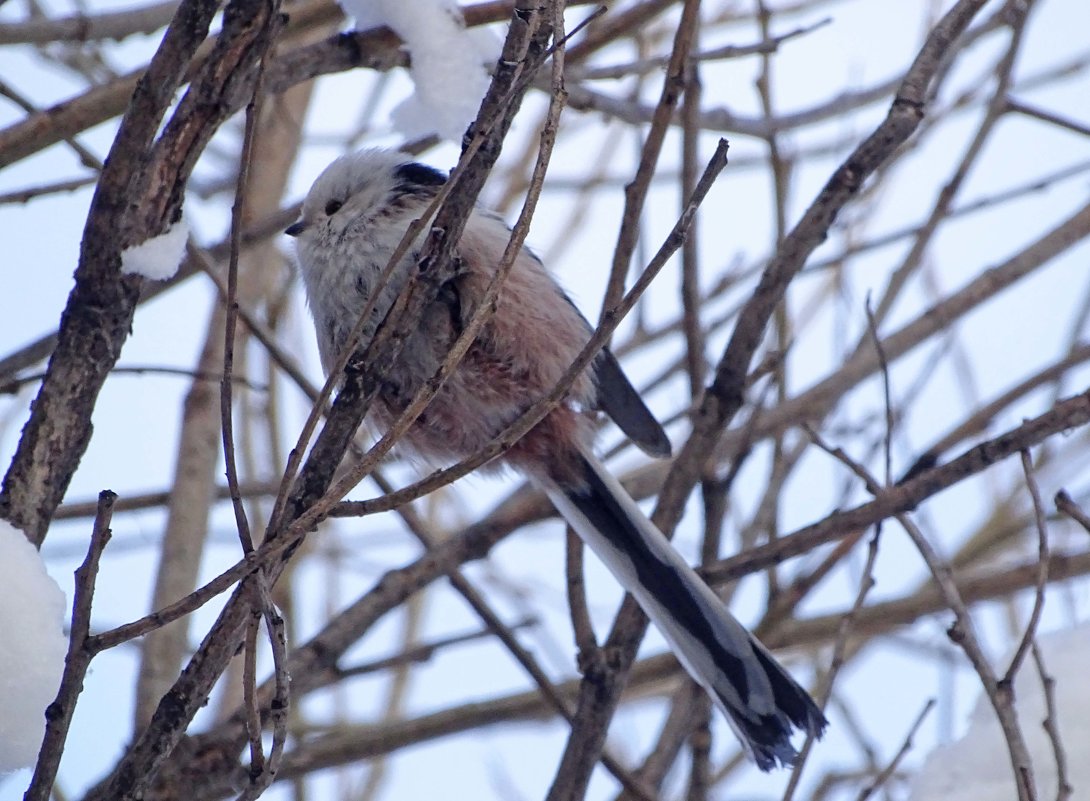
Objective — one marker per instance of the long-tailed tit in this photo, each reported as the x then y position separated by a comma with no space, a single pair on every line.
353,219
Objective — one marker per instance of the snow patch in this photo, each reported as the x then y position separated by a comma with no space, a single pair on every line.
447,62
32,647
157,258
978,767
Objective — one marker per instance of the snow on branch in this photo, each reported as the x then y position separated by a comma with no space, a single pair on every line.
157,258
32,647
447,66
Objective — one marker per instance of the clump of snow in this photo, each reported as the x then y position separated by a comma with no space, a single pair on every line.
32,647
447,62
157,258
978,767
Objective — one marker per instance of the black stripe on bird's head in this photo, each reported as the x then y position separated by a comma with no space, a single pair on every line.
414,178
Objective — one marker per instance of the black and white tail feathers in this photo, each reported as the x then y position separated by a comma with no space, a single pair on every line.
763,704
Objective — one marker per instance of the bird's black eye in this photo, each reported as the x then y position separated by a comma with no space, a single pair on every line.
332,207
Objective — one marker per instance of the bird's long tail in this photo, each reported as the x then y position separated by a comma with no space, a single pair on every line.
763,704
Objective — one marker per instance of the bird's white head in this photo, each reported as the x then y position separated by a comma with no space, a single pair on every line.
359,189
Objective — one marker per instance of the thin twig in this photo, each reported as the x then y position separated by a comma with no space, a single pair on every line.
1051,725
636,191
264,771
59,713
1042,577
645,65
963,633
249,683
887,393
15,384
585,642
424,652
1000,693
1067,505
1047,116
906,746
53,188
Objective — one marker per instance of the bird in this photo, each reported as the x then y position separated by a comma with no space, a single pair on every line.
353,219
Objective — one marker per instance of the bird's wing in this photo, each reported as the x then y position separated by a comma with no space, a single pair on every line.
620,400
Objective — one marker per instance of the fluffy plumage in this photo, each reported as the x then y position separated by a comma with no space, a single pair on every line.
353,219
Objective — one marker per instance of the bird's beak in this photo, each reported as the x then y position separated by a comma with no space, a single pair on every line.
295,228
